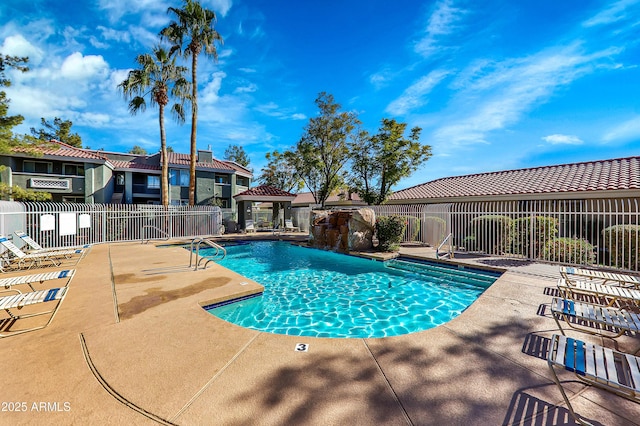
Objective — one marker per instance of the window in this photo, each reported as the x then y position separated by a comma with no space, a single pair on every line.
119,179
178,177
153,182
73,169
222,178
36,167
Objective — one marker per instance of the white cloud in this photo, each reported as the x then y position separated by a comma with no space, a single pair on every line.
210,91
496,95
17,45
414,96
617,11
299,116
249,88
442,22
558,139
79,67
220,7
623,132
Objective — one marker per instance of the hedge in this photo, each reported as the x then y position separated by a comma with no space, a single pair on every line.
569,250
621,241
489,234
390,230
544,230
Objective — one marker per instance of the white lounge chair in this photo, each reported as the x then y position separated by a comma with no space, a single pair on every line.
248,226
7,283
21,300
595,365
611,293
288,226
611,278
34,247
619,319
22,260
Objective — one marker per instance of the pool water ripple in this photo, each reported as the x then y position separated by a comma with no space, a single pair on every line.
310,292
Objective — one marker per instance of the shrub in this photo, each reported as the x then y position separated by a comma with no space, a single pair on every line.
621,241
569,250
544,229
413,226
491,233
436,228
390,230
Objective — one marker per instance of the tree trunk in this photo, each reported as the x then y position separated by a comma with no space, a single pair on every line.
194,125
164,180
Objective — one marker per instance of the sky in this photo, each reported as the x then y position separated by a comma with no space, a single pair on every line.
494,85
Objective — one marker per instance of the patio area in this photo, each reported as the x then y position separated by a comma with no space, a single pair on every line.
131,344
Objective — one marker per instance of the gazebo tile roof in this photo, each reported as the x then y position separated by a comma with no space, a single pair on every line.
266,191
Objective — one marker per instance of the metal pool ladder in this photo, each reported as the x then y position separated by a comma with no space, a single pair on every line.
220,254
450,251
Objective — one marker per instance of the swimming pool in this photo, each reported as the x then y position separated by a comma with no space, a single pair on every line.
311,292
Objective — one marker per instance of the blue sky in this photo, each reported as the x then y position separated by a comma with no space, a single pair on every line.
495,85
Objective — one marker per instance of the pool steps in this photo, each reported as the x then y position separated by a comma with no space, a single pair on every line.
471,277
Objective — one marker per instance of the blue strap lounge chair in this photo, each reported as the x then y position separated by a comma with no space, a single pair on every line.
22,260
571,274
611,293
34,247
606,317
21,300
595,365
7,283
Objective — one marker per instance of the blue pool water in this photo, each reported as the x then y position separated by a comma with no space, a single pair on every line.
311,292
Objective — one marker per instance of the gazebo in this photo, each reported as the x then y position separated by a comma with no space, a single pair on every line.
262,193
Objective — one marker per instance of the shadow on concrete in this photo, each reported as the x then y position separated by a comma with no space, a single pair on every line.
527,410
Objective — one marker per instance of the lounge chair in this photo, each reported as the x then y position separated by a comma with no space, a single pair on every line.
595,365
619,319
248,226
611,278
34,247
7,283
22,260
20,300
611,293
288,226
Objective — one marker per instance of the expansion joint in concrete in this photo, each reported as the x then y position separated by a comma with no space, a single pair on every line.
111,391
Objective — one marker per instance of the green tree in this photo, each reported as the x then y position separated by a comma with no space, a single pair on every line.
382,160
8,140
158,78
191,34
138,150
280,173
237,154
323,151
59,130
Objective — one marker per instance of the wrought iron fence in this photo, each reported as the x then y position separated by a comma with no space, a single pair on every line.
71,224
603,232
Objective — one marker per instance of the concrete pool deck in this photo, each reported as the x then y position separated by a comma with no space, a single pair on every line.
132,345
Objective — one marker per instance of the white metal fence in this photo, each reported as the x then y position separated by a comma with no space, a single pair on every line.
603,232
71,224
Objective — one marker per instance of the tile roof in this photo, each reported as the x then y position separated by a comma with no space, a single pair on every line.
604,175
61,149
183,160
266,191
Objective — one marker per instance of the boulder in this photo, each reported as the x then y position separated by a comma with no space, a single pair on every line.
361,228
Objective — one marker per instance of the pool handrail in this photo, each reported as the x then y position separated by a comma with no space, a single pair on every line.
450,251
197,241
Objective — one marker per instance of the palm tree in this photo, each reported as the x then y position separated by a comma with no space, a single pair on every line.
158,78
191,34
